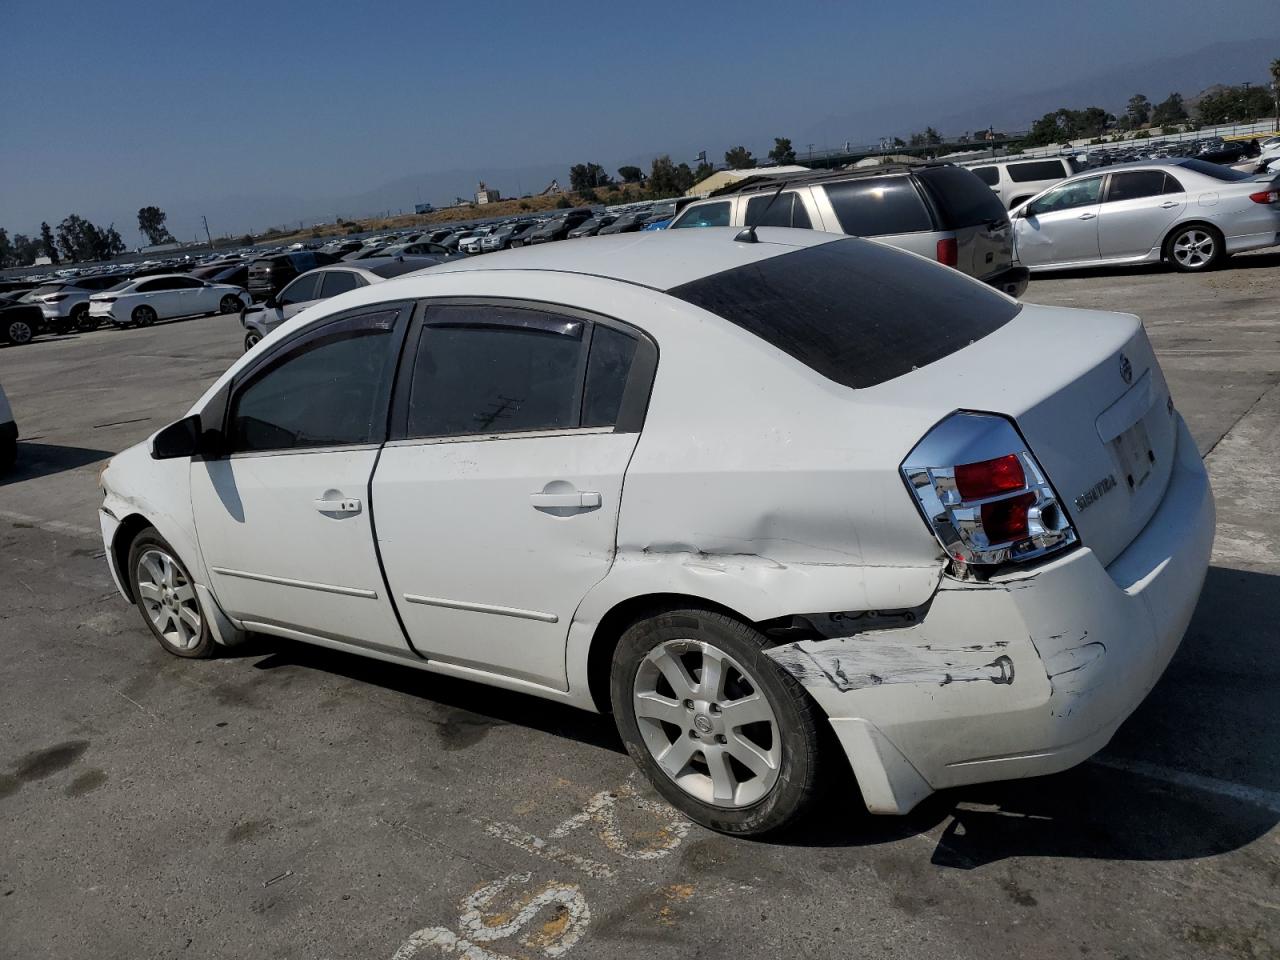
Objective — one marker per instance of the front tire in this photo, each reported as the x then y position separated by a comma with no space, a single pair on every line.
165,594
251,340
230,304
720,730
144,316
18,332
1195,248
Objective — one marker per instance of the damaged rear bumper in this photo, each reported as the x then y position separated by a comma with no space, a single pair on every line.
1024,675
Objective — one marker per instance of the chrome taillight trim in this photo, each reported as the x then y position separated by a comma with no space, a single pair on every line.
929,471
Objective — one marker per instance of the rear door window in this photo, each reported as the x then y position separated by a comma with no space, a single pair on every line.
786,211
857,313
961,198
339,281
608,367
1136,184
878,206
1030,170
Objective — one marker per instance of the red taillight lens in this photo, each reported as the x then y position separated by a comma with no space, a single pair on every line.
977,481
1265,196
948,252
1006,520
56,298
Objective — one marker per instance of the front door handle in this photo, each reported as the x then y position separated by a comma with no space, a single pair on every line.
1086,216
573,499
345,505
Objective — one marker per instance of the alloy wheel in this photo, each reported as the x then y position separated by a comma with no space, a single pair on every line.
230,304
169,599
707,723
1194,249
20,332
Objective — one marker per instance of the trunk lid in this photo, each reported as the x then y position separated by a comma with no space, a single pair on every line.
1087,394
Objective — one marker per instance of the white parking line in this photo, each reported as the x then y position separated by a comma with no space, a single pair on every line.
52,526
1194,781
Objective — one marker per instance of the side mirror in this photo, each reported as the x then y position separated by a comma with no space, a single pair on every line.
185,438
270,301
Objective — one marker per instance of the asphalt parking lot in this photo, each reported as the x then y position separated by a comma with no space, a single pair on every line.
289,801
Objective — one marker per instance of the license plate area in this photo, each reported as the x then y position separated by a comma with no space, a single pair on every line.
1134,455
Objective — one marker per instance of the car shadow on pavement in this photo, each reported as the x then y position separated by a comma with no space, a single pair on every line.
37,460
1193,773
1253,261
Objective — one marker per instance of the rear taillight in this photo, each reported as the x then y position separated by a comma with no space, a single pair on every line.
56,298
948,252
105,299
984,494
1265,196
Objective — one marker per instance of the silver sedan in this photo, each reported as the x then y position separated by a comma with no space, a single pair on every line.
1189,212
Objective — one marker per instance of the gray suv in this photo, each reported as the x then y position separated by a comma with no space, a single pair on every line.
939,211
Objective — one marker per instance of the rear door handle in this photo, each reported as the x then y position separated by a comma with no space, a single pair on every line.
577,498
1086,216
1169,204
346,505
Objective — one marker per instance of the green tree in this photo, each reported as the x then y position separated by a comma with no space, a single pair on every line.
25,249
782,152
702,171
667,179
631,174
46,241
151,225
932,137
739,158
1064,124
585,177
1138,113
1169,110
6,248
1232,104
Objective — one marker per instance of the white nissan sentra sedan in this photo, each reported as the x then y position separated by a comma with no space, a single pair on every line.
743,495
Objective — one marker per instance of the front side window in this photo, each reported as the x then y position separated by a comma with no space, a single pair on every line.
1077,193
330,390
489,369
878,207
1136,184
703,215
301,290
786,211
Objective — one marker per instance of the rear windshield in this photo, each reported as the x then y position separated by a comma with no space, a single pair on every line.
856,312
1215,170
963,199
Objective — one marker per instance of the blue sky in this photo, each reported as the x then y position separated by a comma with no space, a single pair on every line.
111,106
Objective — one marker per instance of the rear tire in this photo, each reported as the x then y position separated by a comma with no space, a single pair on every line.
82,320
165,595
1195,248
747,757
144,316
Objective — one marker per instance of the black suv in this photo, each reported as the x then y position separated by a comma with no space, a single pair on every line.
269,275
559,228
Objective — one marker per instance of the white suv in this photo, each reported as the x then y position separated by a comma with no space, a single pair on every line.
831,523
1015,181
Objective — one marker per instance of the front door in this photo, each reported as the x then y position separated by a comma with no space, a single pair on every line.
284,519
1061,225
498,505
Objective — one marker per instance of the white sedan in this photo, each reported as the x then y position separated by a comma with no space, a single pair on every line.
143,301
767,500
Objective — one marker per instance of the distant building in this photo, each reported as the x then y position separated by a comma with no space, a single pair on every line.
485,195
423,208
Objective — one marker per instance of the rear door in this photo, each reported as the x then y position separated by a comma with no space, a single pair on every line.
1061,225
284,518
498,503
1139,208
968,208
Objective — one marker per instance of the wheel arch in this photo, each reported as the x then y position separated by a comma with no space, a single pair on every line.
121,541
1182,225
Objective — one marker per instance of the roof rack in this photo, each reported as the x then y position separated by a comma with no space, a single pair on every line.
762,183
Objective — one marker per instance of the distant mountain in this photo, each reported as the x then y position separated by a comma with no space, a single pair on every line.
1188,74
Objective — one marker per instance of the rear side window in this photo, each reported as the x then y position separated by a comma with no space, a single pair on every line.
1136,184
1030,170
878,207
155,286
988,175
857,313
786,211
705,215
963,199
488,369
607,369
339,281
